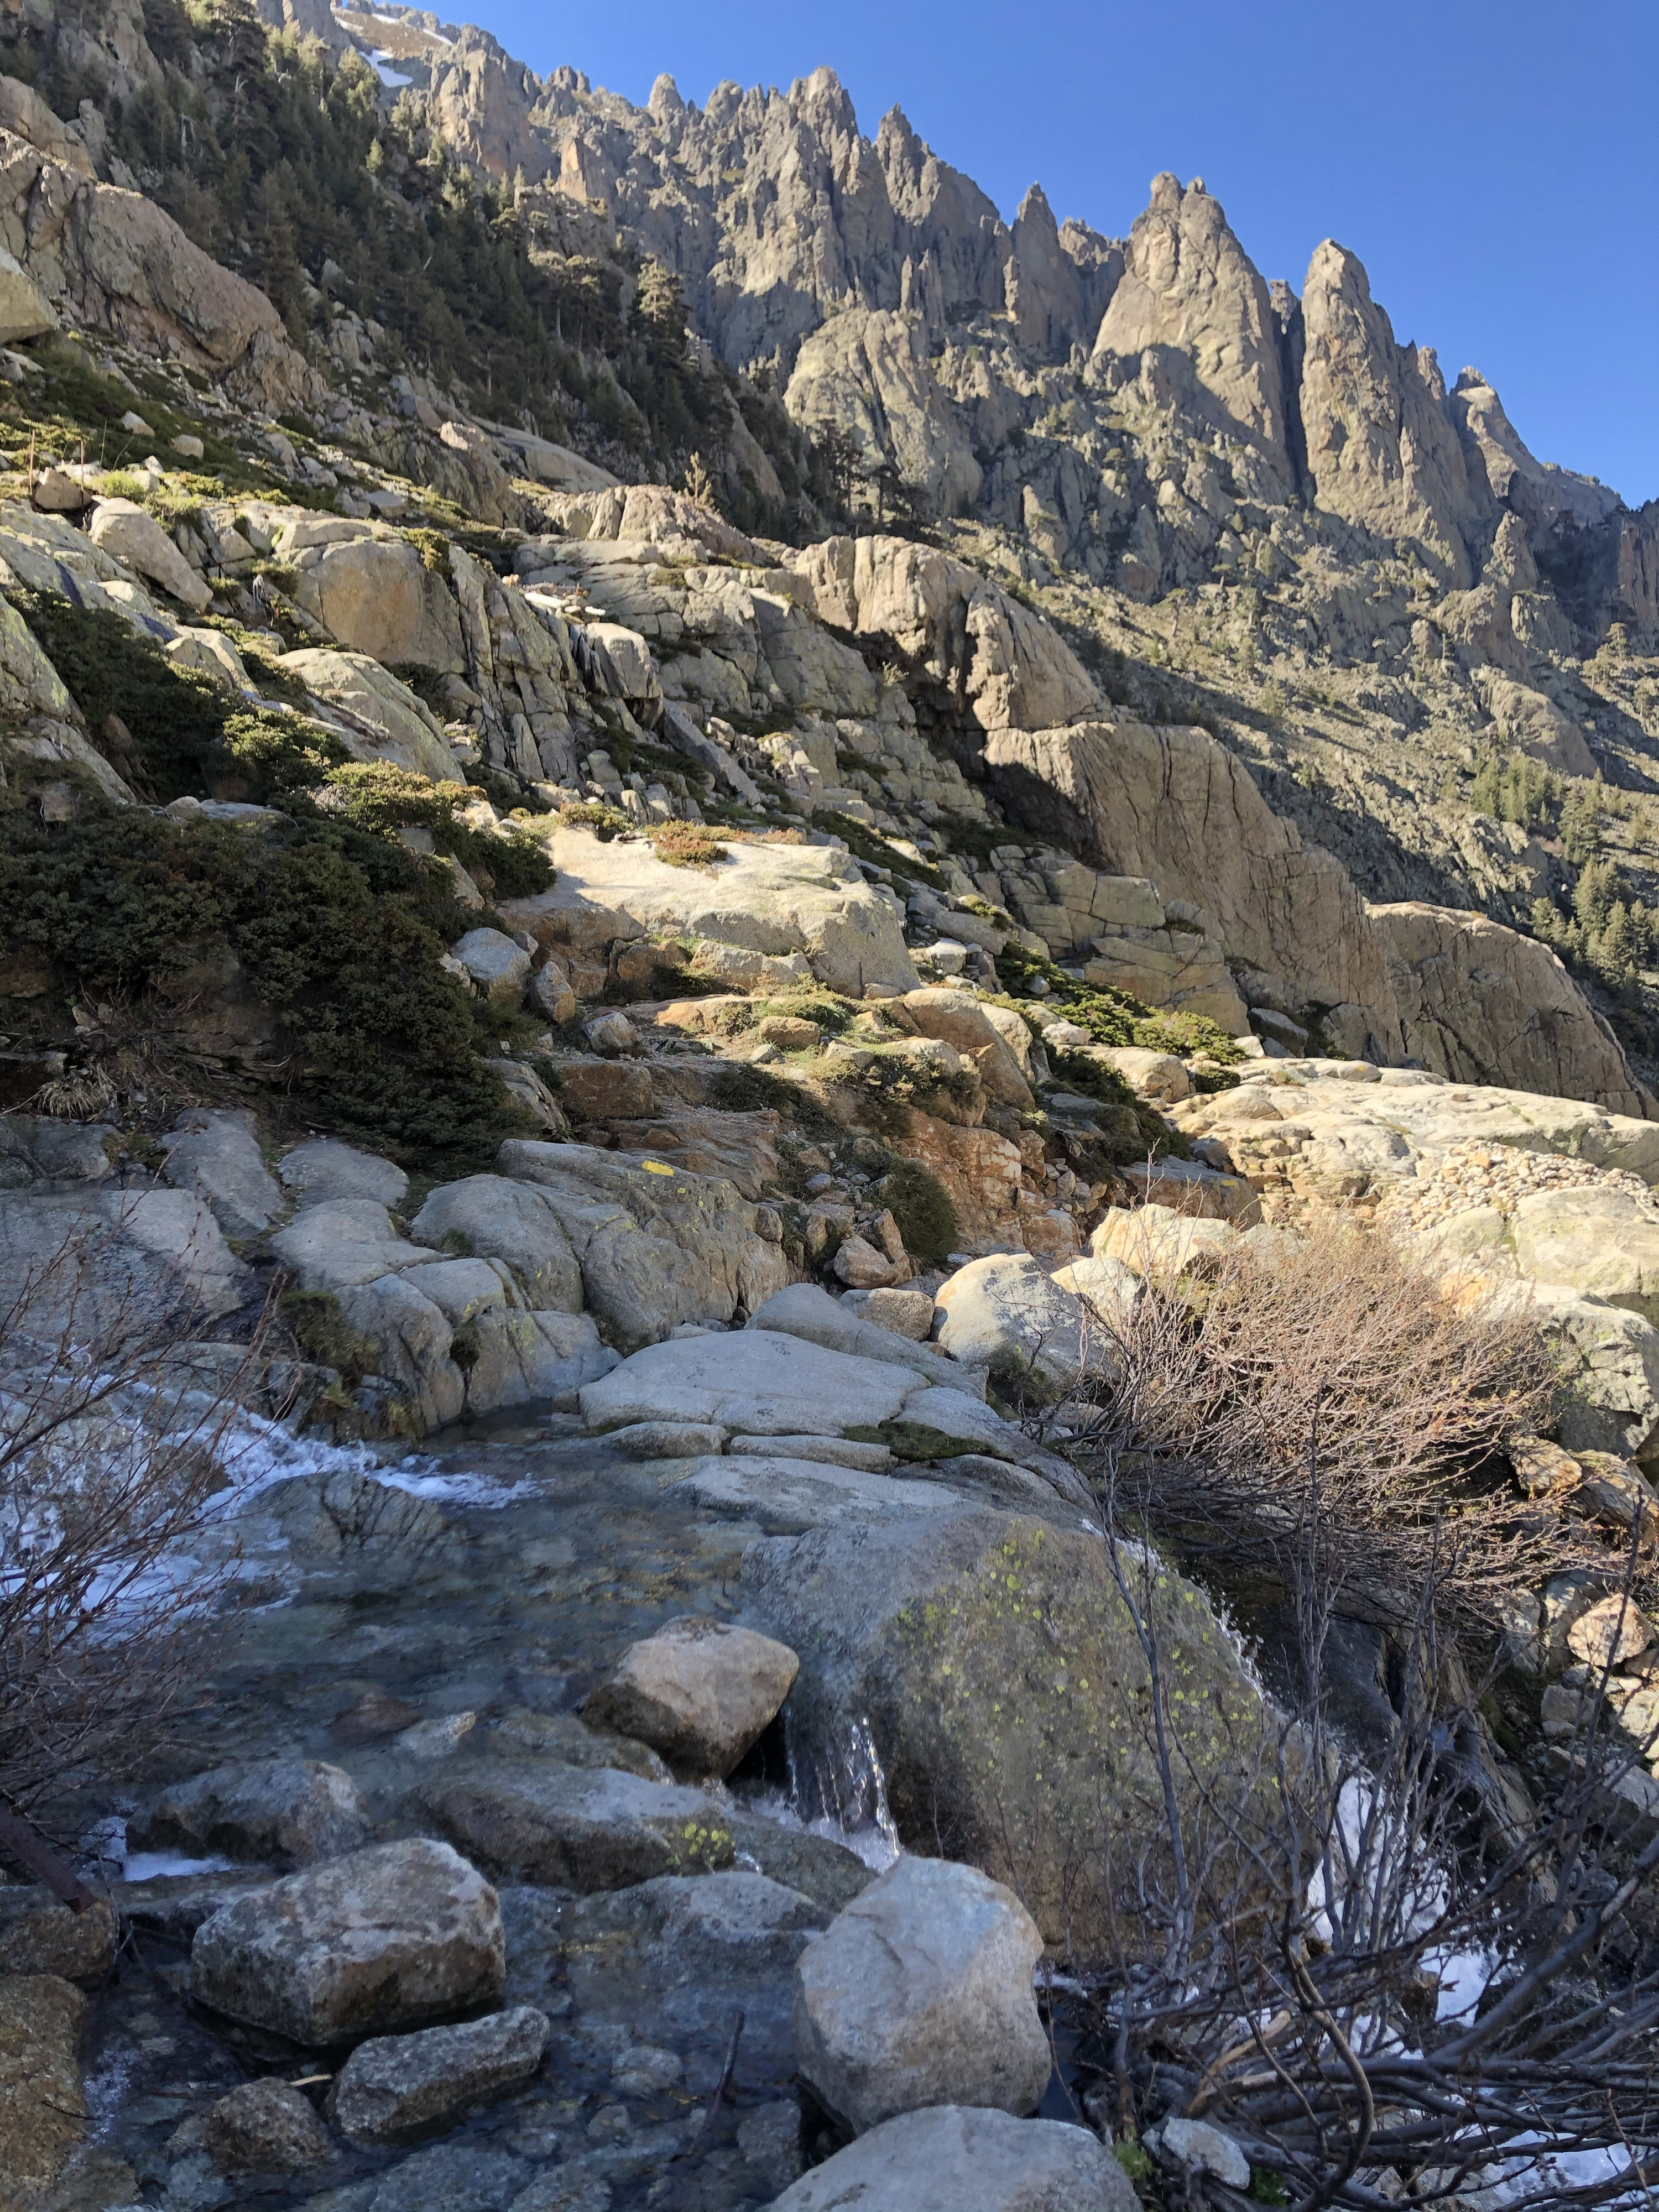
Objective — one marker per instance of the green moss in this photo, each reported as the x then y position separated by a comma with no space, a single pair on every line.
922,1207
323,1334
914,1441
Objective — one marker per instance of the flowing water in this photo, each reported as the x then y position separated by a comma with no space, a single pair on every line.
521,1561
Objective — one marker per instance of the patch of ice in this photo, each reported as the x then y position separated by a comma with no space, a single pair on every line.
378,63
158,1866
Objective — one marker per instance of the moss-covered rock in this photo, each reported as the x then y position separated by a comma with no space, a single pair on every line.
1007,1694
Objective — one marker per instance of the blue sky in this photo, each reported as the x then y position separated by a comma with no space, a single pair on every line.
1496,168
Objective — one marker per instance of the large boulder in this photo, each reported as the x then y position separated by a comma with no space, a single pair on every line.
656,1245
919,1993
959,1019
1004,1686
379,718
768,898
323,1168
699,1691
376,595
808,1311
1602,1242
450,1332
123,528
1005,1314
757,1381
498,1218
386,1939
119,1260
956,2159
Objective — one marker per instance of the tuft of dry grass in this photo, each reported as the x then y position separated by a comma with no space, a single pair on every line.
687,844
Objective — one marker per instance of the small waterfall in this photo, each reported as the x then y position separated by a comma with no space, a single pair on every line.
839,1789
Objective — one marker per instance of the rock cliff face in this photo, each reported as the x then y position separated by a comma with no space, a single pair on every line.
1158,489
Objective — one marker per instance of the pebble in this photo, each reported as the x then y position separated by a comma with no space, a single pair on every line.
1473,1173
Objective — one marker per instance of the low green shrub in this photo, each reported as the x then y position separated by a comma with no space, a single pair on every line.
923,1209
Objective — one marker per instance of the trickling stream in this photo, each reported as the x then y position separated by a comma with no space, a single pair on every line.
530,1558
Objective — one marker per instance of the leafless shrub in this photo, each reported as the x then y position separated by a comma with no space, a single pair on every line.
1383,1998
113,1436
1223,1375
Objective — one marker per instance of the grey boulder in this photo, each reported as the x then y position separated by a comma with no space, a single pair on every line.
264,2126
1005,1314
394,2088
805,1311
217,1155
284,1812
579,1828
387,1938
919,1993
952,2159
699,1691
324,1167
756,1380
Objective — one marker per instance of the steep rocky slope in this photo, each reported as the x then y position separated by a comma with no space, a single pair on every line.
610,1058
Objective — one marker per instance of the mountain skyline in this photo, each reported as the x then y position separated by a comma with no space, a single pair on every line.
1304,128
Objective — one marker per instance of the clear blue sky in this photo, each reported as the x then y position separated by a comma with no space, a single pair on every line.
1496,168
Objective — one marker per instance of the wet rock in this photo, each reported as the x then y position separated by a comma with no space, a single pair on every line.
780,1494
573,1743
665,1439
43,2114
919,1994
673,1959
284,1812
217,1156
448,2177
956,2158
769,2139
823,1871
699,1691
386,1939
583,1829
39,1935
805,1311
323,1168
999,1672
1007,1315
395,2088
334,1516
265,2127
173,1906
832,1451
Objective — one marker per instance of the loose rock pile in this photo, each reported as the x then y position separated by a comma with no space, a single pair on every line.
1471,1174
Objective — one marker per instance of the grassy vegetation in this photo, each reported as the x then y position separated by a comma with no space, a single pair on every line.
1113,1018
